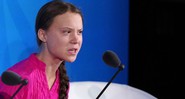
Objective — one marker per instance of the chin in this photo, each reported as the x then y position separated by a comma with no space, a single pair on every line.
71,60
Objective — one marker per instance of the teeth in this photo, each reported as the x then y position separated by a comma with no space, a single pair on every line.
72,51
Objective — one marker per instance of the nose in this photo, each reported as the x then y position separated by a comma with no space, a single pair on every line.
74,38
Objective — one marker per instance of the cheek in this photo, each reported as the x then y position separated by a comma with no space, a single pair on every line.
52,41
81,40
60,42
57,46
55,41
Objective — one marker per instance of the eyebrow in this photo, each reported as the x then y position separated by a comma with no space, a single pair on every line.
70,28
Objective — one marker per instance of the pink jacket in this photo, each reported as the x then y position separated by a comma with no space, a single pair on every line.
33,70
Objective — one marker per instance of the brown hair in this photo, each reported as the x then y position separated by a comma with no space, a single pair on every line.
44,19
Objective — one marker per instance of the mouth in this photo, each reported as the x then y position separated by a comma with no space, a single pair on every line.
72,51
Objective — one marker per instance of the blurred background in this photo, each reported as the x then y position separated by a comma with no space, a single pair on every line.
145,34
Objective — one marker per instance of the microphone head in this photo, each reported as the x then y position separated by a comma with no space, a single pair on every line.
11,78
111,58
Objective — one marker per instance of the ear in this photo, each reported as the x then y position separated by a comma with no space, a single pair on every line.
42,35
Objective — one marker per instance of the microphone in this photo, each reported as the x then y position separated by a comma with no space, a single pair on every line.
11,78
111,59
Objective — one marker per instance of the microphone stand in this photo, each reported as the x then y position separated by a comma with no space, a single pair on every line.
120,69
24,82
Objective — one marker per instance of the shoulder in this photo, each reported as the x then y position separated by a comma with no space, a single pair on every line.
24,67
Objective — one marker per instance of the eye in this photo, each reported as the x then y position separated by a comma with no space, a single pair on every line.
66,31
80,32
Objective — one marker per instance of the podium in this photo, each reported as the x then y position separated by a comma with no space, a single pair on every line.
91,89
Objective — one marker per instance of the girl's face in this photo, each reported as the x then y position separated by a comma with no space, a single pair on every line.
63,39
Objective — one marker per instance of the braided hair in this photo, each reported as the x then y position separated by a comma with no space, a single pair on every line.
64,82
44,19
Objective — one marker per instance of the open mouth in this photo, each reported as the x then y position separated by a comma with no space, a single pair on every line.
72,51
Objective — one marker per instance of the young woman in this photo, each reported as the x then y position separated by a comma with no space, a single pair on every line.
59,35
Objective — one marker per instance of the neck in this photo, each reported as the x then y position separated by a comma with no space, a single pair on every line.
52,66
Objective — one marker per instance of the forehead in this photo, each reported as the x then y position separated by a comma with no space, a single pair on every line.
68,19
